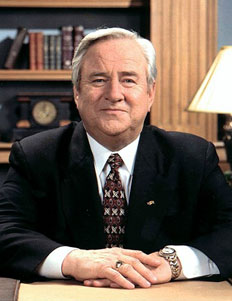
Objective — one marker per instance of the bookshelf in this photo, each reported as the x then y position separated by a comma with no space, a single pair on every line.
74,3
35,75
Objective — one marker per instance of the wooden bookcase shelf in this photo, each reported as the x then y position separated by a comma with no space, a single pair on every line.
35,75
4,152
74,3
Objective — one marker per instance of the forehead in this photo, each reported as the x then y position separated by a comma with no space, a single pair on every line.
117,52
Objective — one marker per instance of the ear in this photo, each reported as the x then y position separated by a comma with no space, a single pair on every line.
76,96
151,95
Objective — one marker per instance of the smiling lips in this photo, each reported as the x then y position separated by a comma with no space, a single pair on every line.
112,110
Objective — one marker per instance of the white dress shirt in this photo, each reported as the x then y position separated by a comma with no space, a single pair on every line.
194,262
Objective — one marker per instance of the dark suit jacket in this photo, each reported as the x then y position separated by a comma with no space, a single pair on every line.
50,198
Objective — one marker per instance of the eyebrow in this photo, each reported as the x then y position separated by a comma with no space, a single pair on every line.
95,74
129,73
123,73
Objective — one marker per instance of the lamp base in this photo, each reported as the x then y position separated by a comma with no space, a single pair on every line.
228,138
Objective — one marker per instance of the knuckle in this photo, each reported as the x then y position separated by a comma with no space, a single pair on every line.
126,268
115,250
135,261
139,253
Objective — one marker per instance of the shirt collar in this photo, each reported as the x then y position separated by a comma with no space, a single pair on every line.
101,154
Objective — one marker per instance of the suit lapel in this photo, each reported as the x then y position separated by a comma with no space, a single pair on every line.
81,202
152,191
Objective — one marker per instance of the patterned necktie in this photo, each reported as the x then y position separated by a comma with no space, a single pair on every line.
114,204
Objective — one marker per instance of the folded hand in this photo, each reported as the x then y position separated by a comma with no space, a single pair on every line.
98,268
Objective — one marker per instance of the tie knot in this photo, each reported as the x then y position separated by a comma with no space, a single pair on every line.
115,161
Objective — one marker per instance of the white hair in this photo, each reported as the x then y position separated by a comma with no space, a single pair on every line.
113,33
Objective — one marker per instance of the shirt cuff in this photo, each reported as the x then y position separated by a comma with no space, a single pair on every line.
194,263
51,267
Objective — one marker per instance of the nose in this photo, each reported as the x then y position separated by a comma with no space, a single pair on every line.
114,91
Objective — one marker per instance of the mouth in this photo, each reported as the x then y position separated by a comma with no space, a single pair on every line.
114,110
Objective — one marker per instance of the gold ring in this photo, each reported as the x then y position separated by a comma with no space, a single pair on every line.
118,264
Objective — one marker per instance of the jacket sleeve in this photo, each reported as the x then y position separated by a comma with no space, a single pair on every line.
22,246
214,215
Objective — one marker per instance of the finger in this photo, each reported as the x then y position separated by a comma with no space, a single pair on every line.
118,278
149,259
98,282
142,269
133,275
114,285
163,272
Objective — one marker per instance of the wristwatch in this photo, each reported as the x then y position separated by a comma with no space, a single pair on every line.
170,255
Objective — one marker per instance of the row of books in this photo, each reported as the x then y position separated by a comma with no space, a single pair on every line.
53,51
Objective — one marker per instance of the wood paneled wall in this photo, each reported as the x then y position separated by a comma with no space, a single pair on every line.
184,33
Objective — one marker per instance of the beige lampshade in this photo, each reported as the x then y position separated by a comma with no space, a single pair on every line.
215,92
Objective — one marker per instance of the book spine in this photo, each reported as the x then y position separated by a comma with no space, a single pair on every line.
15,48
67,46
32,50
58,52
52,52
78,35
46,51
39,51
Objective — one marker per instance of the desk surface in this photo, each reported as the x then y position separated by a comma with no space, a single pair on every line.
178,291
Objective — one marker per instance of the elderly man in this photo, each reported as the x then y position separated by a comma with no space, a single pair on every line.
109,201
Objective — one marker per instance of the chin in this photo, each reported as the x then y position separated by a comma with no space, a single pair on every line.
113,132
114,129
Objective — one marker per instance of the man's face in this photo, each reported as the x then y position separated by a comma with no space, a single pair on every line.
113,97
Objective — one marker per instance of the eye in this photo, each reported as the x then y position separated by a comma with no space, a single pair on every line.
98,82
129,82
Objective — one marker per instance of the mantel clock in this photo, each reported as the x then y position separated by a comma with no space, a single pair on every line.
39,111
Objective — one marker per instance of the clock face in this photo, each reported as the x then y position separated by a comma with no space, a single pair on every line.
44,112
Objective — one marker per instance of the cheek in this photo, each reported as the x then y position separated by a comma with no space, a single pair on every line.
87,106
140,103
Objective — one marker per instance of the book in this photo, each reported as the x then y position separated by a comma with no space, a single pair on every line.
52,52
4,50
58,52
46,51
67,46
15,48
22,61
78,35
39,50
32,50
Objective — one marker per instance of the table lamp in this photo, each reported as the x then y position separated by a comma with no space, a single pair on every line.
215,94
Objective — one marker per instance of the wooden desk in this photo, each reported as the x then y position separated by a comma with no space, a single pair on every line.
178,291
